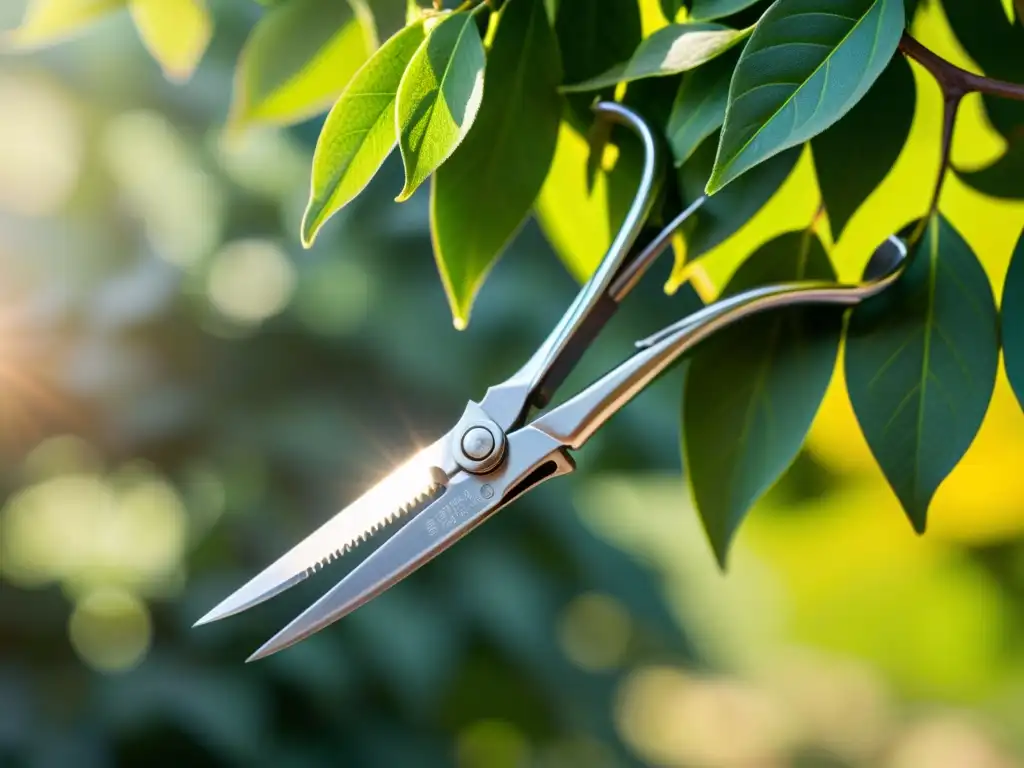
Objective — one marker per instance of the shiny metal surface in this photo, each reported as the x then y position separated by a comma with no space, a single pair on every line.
489,458
467,503
403,488
507,402
576,420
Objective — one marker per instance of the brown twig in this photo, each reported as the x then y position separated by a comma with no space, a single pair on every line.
954,80
955,84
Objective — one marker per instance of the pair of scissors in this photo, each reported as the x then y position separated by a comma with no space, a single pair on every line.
495,453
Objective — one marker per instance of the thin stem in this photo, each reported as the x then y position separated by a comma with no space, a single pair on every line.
955,83
950,107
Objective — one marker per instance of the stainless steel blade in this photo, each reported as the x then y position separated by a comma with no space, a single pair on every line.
402,490
467,502
433,530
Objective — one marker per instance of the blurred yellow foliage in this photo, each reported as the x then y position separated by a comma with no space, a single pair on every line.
176,33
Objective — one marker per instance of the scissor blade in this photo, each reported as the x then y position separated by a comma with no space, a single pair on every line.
407,486
465,504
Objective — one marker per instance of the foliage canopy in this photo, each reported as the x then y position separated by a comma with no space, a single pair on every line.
479,98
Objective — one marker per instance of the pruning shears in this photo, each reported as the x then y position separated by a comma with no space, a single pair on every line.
497,451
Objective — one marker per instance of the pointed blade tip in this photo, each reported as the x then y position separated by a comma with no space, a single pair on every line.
216,614
278,642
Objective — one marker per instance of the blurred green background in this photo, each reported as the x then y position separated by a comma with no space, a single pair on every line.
185,393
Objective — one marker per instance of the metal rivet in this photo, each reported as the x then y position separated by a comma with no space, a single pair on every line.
478,443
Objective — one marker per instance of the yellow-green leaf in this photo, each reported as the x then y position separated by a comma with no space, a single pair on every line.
299,58
573,217
669,51
439,97
483,194
175,32
50,21
359,132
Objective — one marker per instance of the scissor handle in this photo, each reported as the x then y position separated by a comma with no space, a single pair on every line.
575,421
535,382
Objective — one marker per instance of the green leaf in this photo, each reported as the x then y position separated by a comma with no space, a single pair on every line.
699,107
670,8
753,390
921,362
1013,320
575,218
669,51
1009,10
483,194
806,65
298,59
722,215
439,97
359,132
50,21
706,10
996,46
856,154
592,37
175,32
1004,178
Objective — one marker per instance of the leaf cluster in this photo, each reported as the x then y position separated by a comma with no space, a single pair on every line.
489,101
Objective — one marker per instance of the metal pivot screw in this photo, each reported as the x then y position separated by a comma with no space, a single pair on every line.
478,443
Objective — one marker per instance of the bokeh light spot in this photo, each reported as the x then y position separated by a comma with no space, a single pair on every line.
250,281
110,629
492,744
87,531
947,741
595,631
40,147
672,718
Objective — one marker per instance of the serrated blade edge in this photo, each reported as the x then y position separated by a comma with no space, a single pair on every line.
405,487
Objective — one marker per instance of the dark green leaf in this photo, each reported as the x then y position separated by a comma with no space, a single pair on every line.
669,51
1005,177
705,10
723,214
753,390
670,8
1013,320
298,59
981,26
439,97
806,65
921,362
699,107
996,46
485,191
359,132
594,36
857,153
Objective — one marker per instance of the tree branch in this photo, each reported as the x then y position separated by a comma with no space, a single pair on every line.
954,80
955,84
